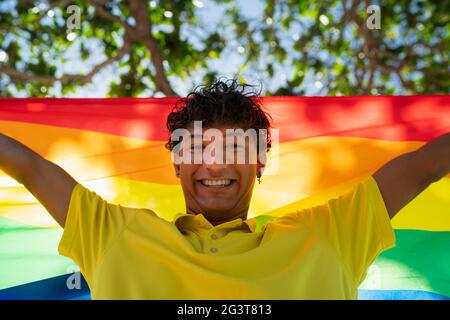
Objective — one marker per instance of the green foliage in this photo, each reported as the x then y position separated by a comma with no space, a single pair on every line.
326,43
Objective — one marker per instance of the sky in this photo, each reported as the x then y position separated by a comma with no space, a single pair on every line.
227,65
208,12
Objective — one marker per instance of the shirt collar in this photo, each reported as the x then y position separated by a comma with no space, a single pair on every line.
186,222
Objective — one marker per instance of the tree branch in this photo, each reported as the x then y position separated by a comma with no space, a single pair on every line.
67,77
102,12
143,32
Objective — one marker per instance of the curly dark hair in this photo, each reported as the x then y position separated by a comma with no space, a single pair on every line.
226,102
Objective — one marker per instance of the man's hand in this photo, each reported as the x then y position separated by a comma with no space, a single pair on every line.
49,183
403,178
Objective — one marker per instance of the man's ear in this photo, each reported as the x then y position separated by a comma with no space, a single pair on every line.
260,169
177,170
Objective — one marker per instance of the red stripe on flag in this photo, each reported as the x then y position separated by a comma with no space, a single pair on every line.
397,118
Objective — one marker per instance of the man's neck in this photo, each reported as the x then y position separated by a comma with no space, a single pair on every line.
216,221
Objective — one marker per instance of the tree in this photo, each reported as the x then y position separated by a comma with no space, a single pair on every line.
294,47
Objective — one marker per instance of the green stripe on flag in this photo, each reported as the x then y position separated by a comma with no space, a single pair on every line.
29,253
420,261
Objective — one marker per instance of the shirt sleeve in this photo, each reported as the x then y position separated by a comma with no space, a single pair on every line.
359,226
92,225
356,223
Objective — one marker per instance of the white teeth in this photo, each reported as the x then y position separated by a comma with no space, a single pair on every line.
222,183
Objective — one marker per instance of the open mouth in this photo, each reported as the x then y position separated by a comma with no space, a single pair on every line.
217,183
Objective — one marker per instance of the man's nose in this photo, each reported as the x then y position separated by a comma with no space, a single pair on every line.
214,161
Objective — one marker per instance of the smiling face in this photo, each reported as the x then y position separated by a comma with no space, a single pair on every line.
221,192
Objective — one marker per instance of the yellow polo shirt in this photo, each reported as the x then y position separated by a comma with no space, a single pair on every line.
316,253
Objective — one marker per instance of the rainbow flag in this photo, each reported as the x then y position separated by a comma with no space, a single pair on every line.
326,145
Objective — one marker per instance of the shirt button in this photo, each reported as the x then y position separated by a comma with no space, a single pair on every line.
214,250
214,236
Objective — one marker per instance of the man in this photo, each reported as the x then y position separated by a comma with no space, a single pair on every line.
213,251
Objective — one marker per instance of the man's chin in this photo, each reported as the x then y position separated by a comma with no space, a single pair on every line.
216,220
217,213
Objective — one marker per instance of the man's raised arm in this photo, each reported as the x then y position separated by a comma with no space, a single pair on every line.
48,182
403,178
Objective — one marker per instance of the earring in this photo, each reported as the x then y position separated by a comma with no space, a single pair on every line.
258,176
177,174
259,180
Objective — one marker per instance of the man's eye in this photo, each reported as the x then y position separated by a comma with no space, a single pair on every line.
196,147
236,147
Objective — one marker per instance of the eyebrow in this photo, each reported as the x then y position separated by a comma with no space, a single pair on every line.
227,135
192,135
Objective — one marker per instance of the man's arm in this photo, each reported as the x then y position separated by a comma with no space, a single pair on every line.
48,182
403,178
